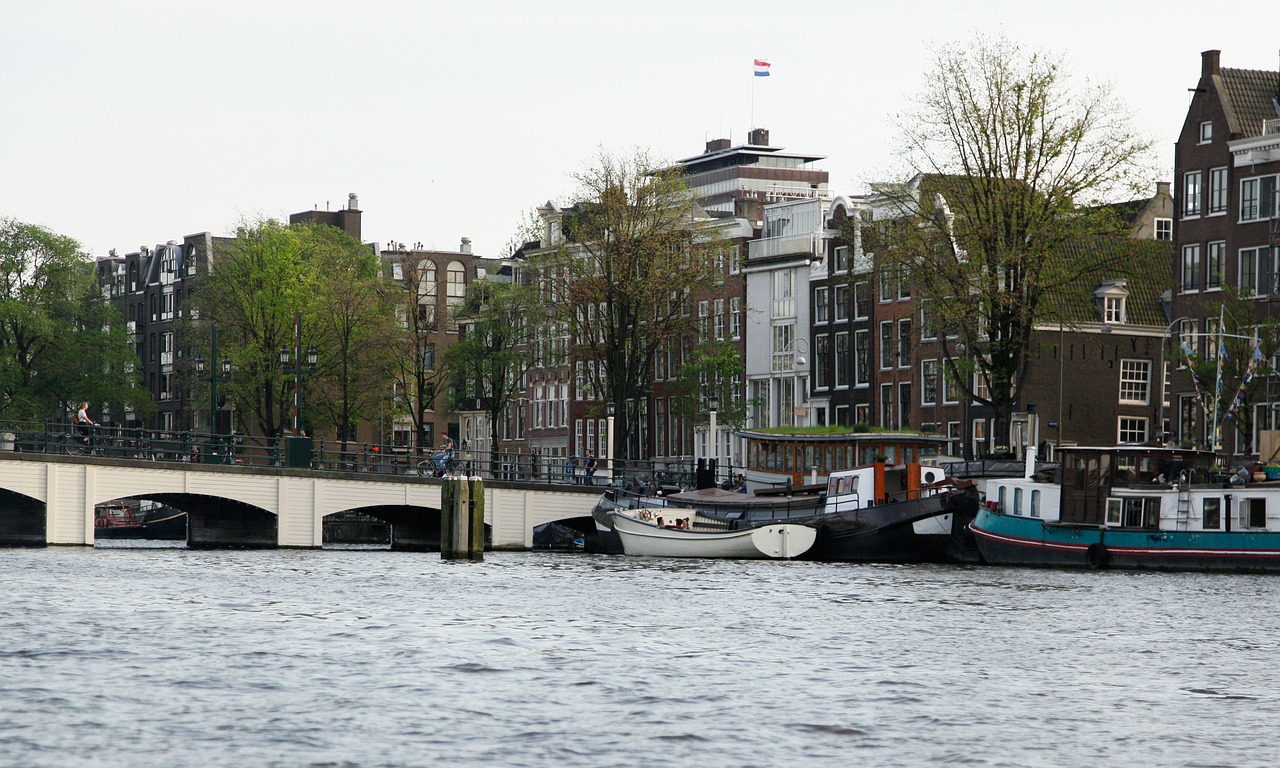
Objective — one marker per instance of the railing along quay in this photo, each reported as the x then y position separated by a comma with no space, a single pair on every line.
322,455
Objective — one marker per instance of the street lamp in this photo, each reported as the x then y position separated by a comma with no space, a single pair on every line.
713,405
1164,340
608,447
291,363
215,377
793,359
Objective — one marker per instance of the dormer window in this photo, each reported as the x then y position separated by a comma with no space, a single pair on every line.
1111,297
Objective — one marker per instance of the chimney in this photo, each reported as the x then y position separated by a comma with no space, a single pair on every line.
1162,189
759,137
716,145
353,202
1209,63
466,245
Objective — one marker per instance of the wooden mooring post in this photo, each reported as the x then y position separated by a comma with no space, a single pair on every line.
462,519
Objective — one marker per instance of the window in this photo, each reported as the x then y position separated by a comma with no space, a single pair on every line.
904,342
842,259
717,319
886,406
1257,198
1035,503
735,317
1164,229
842,303
1214,261
927,329
886,284
862,358
842,359
980,389
821,361
1211,515
1113,309
1191,194
1253,513
861,300
1258,271
821,308
929,382
1135,382
1190,268
904,284
1017,500
1133,429
784,304
1218,190
1206,132
886,344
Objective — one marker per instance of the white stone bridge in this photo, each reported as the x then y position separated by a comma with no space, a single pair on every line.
50,499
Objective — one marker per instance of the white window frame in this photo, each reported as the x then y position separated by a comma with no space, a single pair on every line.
1135,382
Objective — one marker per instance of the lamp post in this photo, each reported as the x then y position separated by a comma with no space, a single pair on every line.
291,363
1164,340
797,349
608,446
713,405
217,375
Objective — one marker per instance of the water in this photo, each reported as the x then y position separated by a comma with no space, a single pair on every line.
164,657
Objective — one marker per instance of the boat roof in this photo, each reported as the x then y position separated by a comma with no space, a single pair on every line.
723,498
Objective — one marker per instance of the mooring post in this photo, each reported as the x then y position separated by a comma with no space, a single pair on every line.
462,519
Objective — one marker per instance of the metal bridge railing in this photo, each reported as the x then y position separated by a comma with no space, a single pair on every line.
135,444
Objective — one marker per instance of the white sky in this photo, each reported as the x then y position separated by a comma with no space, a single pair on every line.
130,123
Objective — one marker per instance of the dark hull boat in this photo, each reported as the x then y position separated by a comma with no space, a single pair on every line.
131,520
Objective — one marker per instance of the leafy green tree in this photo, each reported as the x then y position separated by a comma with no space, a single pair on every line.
1011,164
418,372
489,361
714,367
353,311
620,276
61,341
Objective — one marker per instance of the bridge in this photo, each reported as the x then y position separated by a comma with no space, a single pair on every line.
49,499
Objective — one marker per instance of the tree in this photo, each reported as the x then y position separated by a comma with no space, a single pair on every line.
489,361
1230,366
1011,164
714,368
417,371
353,318
61,341
620,273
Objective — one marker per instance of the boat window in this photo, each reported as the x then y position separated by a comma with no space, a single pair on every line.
1114,510
1253,513
1035,503
891,454
1001,498
908,455
1017,501
1211,514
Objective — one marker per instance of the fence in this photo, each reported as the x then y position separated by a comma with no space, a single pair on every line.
330,456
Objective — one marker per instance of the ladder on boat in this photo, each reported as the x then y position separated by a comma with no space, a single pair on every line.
1184,507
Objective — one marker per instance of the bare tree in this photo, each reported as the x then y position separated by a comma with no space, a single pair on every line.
1012,164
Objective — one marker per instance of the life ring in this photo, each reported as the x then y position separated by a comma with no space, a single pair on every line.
1097,556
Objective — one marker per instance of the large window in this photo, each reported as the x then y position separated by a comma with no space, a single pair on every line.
1191,267
861,300
841,303
842,359
862,358
929,381
886,344
1135,382
821,361
1257,198
1191,194
1133,429
1218,190
1214,261
904,343
1258,268
821,305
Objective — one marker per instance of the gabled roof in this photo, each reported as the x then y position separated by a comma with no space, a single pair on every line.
1142,265
1248,98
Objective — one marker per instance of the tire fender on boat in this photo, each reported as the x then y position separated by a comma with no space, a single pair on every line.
1097,556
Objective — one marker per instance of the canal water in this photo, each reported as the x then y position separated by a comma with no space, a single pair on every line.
164,657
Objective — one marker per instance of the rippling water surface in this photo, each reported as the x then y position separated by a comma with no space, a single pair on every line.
164,657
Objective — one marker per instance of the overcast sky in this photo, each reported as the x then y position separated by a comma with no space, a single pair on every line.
134,122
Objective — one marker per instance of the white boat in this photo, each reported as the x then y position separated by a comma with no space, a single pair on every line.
648,539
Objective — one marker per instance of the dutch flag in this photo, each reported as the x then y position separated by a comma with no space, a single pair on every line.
762,68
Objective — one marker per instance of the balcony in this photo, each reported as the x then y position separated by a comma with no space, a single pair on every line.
806,244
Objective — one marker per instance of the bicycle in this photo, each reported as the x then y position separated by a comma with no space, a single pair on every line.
429,467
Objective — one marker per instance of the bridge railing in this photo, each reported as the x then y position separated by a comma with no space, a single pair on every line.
332,456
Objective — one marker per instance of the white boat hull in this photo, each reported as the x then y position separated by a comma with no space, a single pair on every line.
644,539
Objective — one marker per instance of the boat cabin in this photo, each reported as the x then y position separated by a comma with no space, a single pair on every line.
780,458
